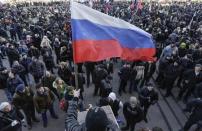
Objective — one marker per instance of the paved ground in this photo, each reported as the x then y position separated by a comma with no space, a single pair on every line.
167,113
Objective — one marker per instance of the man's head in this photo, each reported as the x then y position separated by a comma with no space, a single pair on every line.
133,101
11,75
197,68
96,119
150,87
40,90
5,107
172,45
48,74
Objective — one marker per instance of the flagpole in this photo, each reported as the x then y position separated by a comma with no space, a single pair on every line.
189,26
76,76
75,65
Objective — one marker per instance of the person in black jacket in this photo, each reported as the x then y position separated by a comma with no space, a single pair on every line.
37,69
132,113
105,87
13,54
19,69
99,75
186,63
171,73
64,72
147,96
33,51
10,118
124,75
3,77
90,67
191,78
194,106
96,118
133,81
161,68
47,81
149,70
26,61
198,90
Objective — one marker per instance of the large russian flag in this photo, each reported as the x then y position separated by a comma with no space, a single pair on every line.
97,36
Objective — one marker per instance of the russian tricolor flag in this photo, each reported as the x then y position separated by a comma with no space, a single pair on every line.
97,36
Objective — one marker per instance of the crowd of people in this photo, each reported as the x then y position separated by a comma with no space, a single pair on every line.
36,41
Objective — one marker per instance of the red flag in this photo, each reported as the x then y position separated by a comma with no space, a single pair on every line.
139,5
132,6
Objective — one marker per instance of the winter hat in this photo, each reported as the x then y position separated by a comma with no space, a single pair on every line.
20,88
96,118
112,95
183,45
3,105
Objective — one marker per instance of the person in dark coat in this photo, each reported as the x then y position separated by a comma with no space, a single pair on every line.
105,87
194,106
96,119
36,41
3,77
109,66
56,45
149,70
37,69
19,69
43,101
171,73
13,54
190,78
90,67
47,81
23,99
132,113
63,54
10,118
33,52
49,62
198,90
186,63
147,96
99,74
124,75
13,32
64,72
12,82
133,81
26,61
163,63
